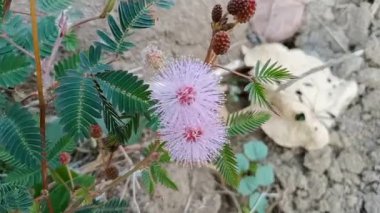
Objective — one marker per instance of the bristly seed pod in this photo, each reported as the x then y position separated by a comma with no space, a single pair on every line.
221,42
246,13
111,172
64,158
217,13
96,131
234,6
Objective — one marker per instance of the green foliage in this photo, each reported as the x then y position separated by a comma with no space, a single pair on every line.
270,73
259,202
65,144
227,166
90,62
53,6
132,15
264,175
25,176
17,31
78,104
48,33
156,174
14,197
256,174
147,181
257,93
66,65
240,123
19,136
242,162
111,206
247,185
70,41
126,92
14,70
160,175
255,150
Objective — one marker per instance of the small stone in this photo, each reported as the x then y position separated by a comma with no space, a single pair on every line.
317,185
319,160
366,116
372,203
352,201
370,77
359,19
351,161
334,172
370,176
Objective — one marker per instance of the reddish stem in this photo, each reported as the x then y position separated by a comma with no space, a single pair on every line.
44,166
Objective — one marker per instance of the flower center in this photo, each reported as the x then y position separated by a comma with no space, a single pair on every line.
192,134
186,95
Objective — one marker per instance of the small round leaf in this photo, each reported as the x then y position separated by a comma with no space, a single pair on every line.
264,175
255,150
247,185
242,162
259,201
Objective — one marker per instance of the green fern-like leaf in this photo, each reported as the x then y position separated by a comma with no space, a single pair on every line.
78,104
70,41
257,94
112,206
25,176
17,31
270,73
90,62
125,91
227,166
53,6
48,33
14,198
240,123
20,136
132,15
13,70
161,176
9,160
65,144
148,181
66,65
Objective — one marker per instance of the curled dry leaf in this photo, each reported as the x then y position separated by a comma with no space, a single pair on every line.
277,20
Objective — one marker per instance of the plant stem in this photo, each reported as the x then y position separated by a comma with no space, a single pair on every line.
44,166
84,21
70,177
145,162
234,72
10,41
137,167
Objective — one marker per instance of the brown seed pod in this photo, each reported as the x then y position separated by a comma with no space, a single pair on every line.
235,6
217,13
96,131
111,172
221,43
246,12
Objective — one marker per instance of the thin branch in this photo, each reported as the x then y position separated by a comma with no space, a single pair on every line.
11,42
137,167
234,72
134,193
320,68
76,25
41,99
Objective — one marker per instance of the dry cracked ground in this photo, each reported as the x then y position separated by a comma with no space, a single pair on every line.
343,177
